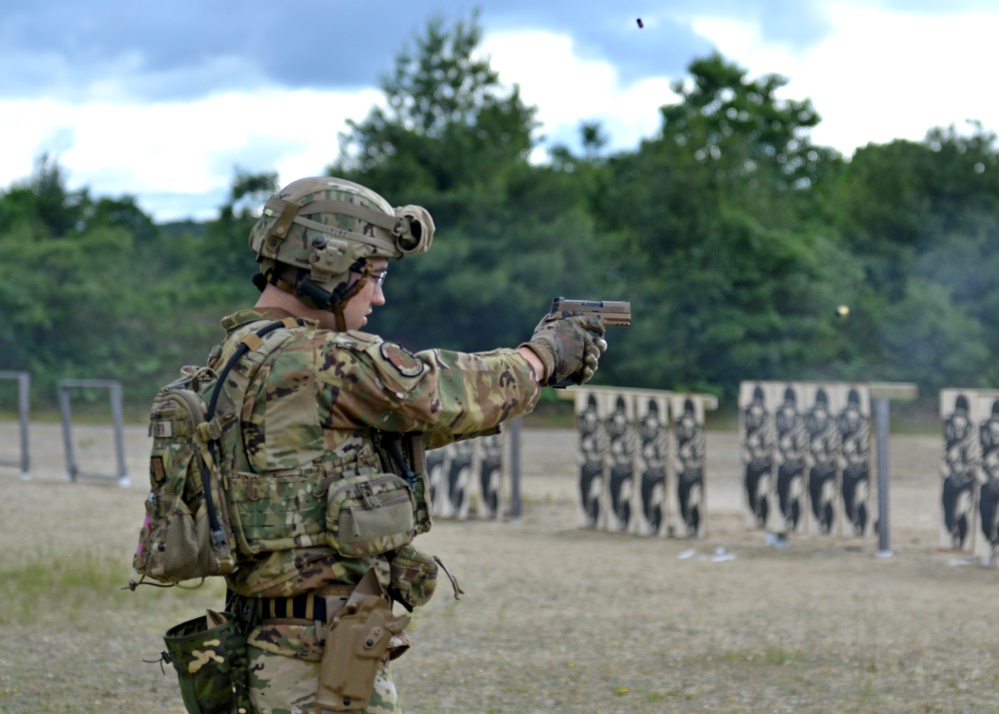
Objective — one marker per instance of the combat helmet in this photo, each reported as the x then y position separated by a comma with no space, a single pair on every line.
315,231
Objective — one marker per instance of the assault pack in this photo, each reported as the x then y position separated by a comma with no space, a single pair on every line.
186,533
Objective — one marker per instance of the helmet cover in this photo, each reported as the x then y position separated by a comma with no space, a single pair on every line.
324,227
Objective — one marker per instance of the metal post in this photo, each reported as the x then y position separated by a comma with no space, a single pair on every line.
114,393
119,434
23,387
880,407
513,436
67,438
23,407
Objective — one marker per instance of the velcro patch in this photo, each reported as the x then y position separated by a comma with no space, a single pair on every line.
156,470
407,364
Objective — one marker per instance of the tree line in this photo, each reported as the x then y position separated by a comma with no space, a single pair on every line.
734,236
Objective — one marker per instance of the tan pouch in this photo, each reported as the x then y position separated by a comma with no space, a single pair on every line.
414,576
356,642
369,515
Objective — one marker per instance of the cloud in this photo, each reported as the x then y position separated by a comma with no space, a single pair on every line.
568,89
879,75
186,49
186,149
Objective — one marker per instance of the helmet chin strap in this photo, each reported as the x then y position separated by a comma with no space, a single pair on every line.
339,297
310,293
341,322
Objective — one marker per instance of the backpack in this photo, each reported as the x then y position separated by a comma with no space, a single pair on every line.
186,532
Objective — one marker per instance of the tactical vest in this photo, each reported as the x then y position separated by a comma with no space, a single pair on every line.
368,496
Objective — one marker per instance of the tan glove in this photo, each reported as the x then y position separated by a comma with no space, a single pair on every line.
569,347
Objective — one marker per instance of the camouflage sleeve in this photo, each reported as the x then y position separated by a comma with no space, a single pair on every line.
441,393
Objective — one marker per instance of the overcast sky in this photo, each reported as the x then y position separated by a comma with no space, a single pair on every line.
163,101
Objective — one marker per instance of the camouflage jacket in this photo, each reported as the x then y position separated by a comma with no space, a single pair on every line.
314,401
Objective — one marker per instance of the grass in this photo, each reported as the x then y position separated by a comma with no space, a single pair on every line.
87,591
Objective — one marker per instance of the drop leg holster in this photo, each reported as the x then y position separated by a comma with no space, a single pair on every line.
357,639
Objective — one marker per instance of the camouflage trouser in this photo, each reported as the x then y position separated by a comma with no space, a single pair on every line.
283,684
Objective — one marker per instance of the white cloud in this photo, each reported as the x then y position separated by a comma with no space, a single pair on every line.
191,148
568,90
178,148
879,76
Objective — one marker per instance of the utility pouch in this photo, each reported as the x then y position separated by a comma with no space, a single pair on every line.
356,642
405,455
369,514
413,576
271,512
177,545
209,654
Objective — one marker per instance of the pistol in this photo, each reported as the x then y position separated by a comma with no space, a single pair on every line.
613,313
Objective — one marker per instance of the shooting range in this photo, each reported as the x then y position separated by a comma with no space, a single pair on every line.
697,549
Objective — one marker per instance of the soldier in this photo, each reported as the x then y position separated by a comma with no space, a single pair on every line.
334,411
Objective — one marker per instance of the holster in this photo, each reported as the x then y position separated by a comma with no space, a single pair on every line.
357,639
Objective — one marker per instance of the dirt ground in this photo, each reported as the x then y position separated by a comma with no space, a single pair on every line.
554,617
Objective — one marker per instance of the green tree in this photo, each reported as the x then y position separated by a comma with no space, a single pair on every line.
923,219
124,213
43,205
730,264
449,124
456,141
63,302
742,129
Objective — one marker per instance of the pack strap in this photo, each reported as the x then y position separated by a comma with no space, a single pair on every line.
248,343
254,340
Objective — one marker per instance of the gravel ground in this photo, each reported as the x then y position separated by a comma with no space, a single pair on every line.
554,617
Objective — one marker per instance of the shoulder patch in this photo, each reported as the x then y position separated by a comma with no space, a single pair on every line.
407,364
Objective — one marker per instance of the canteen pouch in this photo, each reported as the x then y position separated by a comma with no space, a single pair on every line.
209,654
356,643
369,514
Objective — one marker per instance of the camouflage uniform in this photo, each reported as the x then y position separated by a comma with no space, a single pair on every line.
308,418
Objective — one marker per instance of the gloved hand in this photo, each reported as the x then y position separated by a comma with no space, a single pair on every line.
569,347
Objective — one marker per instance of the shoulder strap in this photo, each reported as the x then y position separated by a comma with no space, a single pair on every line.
209,437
